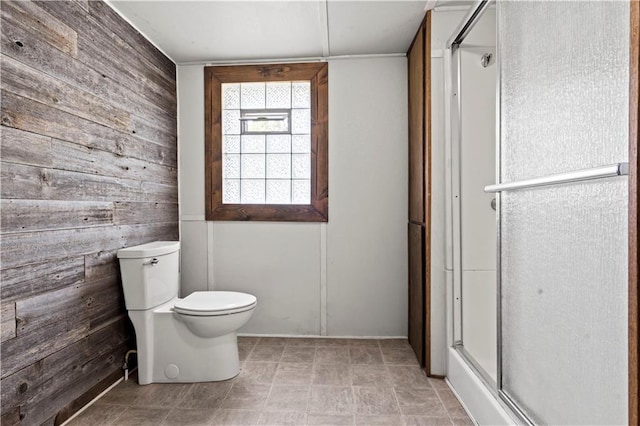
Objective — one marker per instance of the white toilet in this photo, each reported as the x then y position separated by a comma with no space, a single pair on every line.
179,340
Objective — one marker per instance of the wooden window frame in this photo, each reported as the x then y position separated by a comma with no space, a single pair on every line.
318,209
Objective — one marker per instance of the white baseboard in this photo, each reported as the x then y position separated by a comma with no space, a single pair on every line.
314,336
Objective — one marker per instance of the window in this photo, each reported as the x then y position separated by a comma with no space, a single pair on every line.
266,142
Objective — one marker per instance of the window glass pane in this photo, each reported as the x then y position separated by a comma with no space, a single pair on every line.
279,94
252,95
231,191
278,191
300,191
230,144
279,166
301,144
301,121
301,94
231,122
252,191
231,96
231,166
301,168
248,134
258,125
279,143
252,144
252,166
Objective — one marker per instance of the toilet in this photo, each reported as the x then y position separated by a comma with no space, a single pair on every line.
179,340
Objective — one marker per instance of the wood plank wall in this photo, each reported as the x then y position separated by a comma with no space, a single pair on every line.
89,165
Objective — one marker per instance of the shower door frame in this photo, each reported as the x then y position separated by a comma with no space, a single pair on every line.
498,412
503,407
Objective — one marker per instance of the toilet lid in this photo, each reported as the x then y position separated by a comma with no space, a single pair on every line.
214,303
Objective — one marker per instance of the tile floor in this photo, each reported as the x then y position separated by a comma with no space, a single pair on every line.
293,381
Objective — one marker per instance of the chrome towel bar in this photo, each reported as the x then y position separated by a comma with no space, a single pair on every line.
618,169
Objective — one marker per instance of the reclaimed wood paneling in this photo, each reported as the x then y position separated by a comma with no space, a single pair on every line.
101,264
100,48
89,158
63,305
7,321
26,47
54,184
127,212
22,147
33,18
38,86
37,384
34,278
104,300
39,215
23,248
26,114
110,19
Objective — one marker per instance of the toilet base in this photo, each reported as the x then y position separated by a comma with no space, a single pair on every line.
216,361
169,353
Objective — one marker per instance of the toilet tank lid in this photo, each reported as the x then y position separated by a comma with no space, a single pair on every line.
156,248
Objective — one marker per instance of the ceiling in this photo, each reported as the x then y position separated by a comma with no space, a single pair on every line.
236,30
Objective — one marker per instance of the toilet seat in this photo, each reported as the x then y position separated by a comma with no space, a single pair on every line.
214,303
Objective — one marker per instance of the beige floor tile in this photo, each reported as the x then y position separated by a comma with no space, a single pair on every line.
331,342
278,418
124,393
399,355
423,402
332,355
257,372
394,343
235,417
302,341
450,402
462,421
364,342
272,341
206,395
370,375
379,420
288,398
163,395
182,417
426,421
375,400
365,355
294,374
332,374
244,350
98,414
248,340
438,383
247,396
135,416
330,420
298,354
408,376
266,353
331,400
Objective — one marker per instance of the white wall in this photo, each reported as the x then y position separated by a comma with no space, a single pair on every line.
344,278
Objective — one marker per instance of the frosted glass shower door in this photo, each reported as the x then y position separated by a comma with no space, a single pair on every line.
563,248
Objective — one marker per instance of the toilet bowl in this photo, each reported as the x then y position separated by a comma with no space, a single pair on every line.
179,340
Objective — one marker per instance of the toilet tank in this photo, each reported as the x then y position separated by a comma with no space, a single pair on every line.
150,274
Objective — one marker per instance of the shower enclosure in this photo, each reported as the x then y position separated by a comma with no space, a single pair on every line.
539,123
